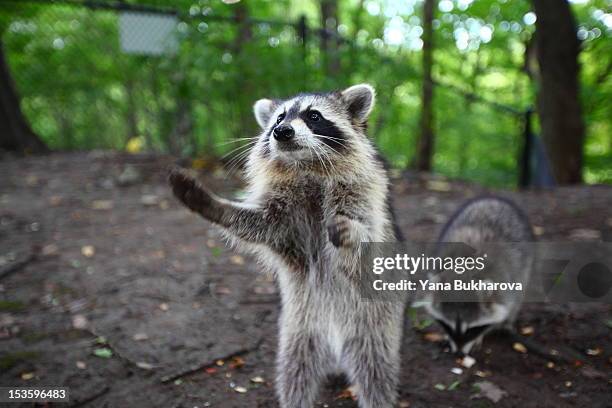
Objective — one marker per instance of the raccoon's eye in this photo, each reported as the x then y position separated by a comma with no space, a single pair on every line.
280,118
314,115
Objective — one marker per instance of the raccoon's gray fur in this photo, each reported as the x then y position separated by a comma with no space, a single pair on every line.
480,223
316,189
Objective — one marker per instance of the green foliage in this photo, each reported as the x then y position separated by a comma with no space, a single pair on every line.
80,91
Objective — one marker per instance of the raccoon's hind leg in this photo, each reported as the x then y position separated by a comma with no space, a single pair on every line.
373,364
304,361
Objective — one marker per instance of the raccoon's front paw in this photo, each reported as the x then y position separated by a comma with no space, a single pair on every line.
189,191
339,231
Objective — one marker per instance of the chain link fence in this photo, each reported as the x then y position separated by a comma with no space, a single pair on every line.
113,75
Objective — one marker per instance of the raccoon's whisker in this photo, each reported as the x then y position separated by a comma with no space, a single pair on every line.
313,148
328,158
237,160
240,139
335,139
322,156
246,145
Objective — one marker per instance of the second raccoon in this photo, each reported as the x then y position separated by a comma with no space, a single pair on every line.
480,224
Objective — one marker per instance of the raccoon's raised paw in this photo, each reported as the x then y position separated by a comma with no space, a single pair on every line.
189,191
339,231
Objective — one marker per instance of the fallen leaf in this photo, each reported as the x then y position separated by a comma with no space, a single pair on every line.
537,230
592,373
27,376
594,352
103,352
456,370
440,387
220,363
144,365
237,260
198,163
210,370
223,290
482,374
519,347
240,389
527,330
584,234
236,362
454,385
347,393
438,185
88,251
50,249
490,391
54,201
102,205
434,337
257,380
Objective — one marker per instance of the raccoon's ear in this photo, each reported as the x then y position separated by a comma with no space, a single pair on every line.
263,108
360,101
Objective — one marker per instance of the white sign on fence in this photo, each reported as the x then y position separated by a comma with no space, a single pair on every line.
147,33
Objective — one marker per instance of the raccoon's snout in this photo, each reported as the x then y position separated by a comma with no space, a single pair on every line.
284,133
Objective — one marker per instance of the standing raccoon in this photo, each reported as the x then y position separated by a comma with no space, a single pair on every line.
482,224
316,190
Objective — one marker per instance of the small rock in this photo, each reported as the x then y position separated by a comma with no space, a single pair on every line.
149,200
140,337
468,361
81,365
79,322
129,176
490,391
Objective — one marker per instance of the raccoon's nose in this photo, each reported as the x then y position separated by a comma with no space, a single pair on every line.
283,133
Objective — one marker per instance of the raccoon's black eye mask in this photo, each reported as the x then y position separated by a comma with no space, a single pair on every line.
461,338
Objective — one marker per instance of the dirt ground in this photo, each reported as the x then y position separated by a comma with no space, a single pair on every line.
108,286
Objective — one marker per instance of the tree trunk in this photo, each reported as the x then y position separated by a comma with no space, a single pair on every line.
15,132
557,49
425,143
329,39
